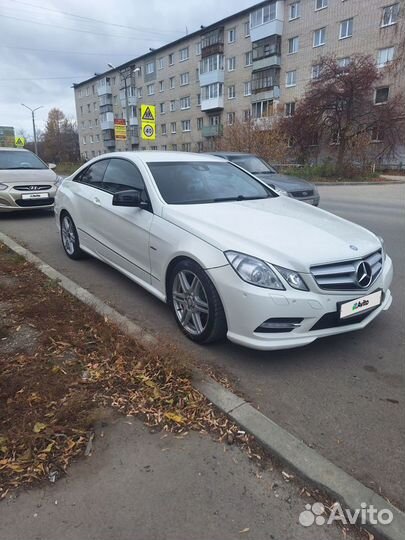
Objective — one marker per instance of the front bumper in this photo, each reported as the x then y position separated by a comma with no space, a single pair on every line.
247,307
314,199
12,200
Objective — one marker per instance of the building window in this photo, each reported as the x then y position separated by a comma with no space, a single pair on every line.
232,35
231,118
91,139
212,91
184,78
200,146
97,138
290,108
212,63
150,89
84,139
390,15
293,45
247,88
232,63
262,109
263,15
316,71
246,115
88,107
161,63
321,4
376,135
173,127
200,123
381,95
346,29
385,56
215,120
198,99
87,91
161,86
150,68
164,129
173,105
139,92
172,82
291,78
162,108
198,48
231,92
319,37
164,147
96,121
171,59
186,125
94,106
81,110
294,11
344,62
184,54
197,75
246,26
90,124
248,58
265,79
174,147
185,103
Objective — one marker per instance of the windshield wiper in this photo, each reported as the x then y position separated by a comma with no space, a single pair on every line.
263,172
236,198
23,168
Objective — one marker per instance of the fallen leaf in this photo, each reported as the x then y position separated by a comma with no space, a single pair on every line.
175,417
244,530
39,426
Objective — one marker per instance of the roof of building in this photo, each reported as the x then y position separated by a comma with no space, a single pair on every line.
152,53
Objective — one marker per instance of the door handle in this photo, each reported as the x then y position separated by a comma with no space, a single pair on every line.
97,201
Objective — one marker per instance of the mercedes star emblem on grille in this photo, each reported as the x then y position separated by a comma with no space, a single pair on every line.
364,274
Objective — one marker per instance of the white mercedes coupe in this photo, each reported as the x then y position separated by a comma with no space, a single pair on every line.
228,254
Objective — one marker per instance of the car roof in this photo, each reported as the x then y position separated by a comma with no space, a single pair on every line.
150,156
232,154
13,149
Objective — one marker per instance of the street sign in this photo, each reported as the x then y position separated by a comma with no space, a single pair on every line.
148,113
148,131
120,129
19,141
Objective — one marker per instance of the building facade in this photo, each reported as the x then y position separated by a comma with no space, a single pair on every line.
237,68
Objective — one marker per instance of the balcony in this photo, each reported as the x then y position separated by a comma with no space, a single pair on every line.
265,80
107,121
104,86
133,121
212,43
267,21
269,61
213,103
109,138
212,131
211,77
132,99
272,93
134,140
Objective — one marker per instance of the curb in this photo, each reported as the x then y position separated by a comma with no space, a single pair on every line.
305,461
385,183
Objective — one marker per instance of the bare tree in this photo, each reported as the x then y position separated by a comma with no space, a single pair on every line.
60,141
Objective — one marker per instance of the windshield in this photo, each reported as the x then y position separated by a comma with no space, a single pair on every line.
20,160
188,182
253,164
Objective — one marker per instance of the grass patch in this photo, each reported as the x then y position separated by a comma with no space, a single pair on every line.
326,172
67,168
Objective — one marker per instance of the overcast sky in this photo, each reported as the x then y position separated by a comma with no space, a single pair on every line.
39,39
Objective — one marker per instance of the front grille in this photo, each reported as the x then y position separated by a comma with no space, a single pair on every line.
343,275
33,187
305,193
26,203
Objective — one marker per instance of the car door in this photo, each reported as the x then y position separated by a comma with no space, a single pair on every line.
87,187
124,231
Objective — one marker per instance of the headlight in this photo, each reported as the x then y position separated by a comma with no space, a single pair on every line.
254,271
293,279
3,187
58,181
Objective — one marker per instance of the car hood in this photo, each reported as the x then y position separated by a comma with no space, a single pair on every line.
288,183
278,230
24,176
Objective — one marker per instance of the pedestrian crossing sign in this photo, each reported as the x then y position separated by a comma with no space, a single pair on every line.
148,113
19,141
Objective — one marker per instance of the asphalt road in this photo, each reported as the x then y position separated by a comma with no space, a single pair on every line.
343,395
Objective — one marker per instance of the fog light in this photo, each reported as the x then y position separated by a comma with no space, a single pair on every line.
279,325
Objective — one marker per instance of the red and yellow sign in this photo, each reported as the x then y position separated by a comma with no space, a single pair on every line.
120,129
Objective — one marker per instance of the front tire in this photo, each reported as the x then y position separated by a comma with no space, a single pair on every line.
195,303
70,238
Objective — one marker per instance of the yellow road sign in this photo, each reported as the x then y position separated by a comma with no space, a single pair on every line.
19,141
148,131
148,113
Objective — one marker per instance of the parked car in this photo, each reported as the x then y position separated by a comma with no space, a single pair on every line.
26,182
292,186
228,254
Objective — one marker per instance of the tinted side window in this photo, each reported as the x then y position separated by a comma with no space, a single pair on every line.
94,174
121,175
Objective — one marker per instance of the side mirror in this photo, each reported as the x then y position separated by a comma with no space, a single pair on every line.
51,165
131,197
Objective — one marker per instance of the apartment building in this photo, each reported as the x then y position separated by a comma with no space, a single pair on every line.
238,67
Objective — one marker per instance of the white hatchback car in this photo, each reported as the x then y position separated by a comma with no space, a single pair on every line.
26,182
230,256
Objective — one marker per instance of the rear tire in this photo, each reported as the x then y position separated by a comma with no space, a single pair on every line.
70,238
195,303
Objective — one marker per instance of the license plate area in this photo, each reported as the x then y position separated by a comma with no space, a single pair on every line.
35,196
359,305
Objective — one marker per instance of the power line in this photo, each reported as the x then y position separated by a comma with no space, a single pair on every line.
71,29
140,28
65,52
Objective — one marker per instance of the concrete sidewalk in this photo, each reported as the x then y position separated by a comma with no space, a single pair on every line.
142,486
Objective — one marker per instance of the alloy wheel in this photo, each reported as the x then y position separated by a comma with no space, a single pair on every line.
190,302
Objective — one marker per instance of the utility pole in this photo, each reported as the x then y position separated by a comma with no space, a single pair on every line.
33,124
